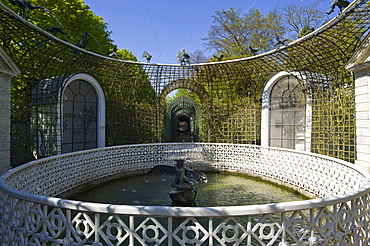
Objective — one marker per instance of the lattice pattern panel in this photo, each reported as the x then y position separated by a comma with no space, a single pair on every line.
229,91
316,174
25,223
336,221
332,125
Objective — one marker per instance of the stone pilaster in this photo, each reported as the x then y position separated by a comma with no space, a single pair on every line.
362,91
8,69
359,64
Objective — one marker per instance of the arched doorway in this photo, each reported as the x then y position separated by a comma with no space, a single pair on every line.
183,125
82,114
183,120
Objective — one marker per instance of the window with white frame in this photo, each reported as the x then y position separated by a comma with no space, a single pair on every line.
287,114
83,110
284,113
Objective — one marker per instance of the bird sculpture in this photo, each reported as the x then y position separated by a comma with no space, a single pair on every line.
24,4
184,57
341,4
83,42
253,51
114,52
54,30
182,192
280,42
147,56
219,58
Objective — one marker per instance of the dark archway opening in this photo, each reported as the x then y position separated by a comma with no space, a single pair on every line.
183,120
182,132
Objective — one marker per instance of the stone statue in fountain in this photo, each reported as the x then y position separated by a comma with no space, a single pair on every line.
341,4
182,192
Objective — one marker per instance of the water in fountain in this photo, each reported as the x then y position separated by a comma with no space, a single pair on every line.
223,189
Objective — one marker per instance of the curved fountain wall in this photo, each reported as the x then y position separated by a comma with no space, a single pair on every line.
32,214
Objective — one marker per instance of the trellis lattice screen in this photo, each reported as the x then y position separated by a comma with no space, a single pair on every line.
229,92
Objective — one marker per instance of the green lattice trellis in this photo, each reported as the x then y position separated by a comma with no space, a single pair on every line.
230,91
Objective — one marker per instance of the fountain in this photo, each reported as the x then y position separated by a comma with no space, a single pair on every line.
183,191
222,189
33,210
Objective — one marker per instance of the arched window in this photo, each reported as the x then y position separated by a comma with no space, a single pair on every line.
82,115
287,115
284,116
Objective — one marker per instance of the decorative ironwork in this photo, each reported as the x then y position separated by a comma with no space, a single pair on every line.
229,91
29,215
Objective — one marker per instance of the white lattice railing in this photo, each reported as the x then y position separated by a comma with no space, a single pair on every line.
31,214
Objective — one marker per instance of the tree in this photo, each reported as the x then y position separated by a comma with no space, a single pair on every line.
236,34
234,31
122,54
301,20
74,18
198,56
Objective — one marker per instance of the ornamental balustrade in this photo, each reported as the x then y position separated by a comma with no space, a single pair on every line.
33,212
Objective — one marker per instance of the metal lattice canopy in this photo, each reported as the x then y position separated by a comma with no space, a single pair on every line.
229,91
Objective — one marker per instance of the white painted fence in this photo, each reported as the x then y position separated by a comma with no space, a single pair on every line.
31,213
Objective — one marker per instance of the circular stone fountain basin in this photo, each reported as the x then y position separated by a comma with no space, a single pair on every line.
222,189
32,210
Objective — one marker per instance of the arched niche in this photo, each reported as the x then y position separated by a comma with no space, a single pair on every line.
285,113
83,114
68,115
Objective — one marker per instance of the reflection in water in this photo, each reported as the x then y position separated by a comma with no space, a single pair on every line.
223,189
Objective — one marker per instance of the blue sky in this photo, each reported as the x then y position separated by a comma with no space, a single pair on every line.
164,27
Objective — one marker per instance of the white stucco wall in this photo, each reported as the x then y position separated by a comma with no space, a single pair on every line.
359,64
362,90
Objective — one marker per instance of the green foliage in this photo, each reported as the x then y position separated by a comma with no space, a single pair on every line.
186,93
333,122
234,32
126,55
239,122
75,18
301,20
305,30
